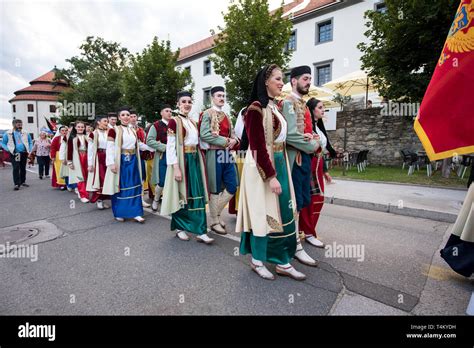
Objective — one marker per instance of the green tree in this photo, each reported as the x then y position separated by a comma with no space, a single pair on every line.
252,37
152,79
95,77
404,45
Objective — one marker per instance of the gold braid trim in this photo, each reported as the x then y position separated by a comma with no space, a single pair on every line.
255,108
274,224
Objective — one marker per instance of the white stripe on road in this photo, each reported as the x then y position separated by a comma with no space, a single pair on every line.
27,169
228,236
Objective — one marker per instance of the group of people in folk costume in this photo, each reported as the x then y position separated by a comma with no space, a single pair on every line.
269,169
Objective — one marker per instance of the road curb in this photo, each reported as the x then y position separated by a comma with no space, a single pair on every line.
388,208
335,178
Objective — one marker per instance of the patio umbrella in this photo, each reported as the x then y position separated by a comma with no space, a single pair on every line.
356,82
314,92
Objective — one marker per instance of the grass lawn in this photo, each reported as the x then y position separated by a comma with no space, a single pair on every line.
399,175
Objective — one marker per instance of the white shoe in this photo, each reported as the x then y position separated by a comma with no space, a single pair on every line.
106,206
69,189
182,235
145,204
154,205
204,238
305,259
76,190
314,242
120,219
290,272
139,219
262,271
100,205
84,200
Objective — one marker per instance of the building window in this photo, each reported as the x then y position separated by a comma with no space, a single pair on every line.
323,73
31,108
291,45
188,68
324,31
206,101
32,136
286,76
380,7
14,108
31,119
52,108
207,67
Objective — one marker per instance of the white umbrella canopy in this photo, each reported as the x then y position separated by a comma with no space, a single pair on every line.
329,103
357,82
314,92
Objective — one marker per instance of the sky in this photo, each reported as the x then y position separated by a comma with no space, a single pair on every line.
36,35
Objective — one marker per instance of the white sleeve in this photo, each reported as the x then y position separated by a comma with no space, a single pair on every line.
145,147
110,153
90,153
171,157
62,151
239,126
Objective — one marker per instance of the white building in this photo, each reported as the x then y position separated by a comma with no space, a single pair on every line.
325,36
37,101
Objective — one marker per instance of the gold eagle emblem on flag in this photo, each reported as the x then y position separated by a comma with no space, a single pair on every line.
459,41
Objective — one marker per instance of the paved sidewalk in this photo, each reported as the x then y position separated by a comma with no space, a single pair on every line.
432,203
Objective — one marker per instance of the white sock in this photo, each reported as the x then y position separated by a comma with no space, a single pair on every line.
257,262
285,265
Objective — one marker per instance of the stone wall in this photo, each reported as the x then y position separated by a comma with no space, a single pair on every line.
383,136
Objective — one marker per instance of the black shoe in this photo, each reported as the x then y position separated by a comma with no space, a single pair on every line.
41,178
26,185
17,188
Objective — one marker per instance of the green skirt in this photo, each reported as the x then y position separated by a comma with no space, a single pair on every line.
277,248
192,218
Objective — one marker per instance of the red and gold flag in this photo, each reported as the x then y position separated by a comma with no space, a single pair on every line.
445,121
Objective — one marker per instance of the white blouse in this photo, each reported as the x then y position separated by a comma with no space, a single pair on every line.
284,126
81,145
322,139
191,139
63,150
101,143
129,141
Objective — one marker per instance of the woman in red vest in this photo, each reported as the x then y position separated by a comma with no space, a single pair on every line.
77,160
309,216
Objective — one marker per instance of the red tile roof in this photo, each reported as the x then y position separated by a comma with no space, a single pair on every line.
48,77
196,48
312,6
208,43
42,88
39,97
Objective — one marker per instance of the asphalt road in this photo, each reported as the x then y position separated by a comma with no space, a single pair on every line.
95,265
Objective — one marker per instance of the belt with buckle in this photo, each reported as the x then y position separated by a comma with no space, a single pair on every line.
190,149
128,152
278,147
